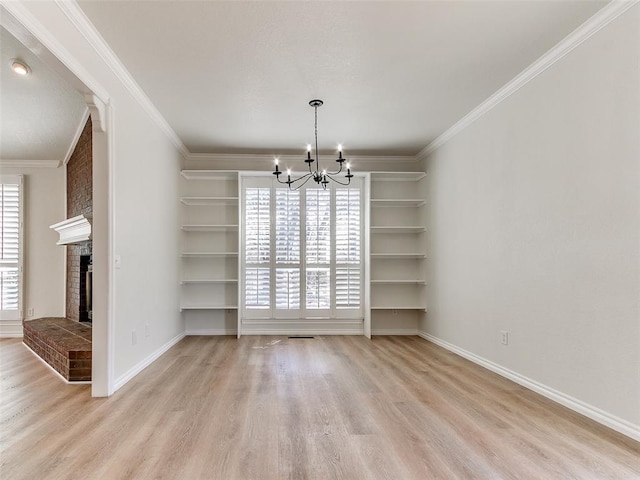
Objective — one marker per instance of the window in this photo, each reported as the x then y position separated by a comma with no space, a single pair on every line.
301,250
10,247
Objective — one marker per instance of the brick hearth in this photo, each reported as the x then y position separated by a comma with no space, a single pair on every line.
63,344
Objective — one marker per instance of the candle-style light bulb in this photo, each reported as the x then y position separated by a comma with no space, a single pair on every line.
308,151
339,151
276,160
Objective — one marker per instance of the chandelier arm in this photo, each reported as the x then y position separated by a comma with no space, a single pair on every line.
301,185
337,172
306,175
338,181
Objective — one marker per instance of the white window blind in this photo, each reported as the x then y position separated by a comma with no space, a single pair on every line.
287,226
287,288
318,219
257,224
318,288
348,278
257,247
10,246
287,213
256,281
302,254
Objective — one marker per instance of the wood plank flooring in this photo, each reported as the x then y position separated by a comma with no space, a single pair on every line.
277,408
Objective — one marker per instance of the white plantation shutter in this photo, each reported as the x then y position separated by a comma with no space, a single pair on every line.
348,287
257,247
318,288
287,288
318,230
302,251
256,282
257,225
287,226
348,278
10,232
287,285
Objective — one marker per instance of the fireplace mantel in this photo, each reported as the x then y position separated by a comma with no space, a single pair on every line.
73,230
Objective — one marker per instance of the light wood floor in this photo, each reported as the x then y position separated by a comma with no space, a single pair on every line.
332,407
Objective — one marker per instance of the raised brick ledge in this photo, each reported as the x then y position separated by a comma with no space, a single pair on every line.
63,344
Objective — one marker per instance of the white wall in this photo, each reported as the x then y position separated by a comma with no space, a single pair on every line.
534,228
145,200
44,261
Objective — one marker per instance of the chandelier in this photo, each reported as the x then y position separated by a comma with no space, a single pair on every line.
318,175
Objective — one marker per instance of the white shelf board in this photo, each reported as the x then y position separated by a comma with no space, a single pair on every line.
208,282
398,282
397,256
399,229
209,200
208,254
208,307
208,228
397,202
209,174
397,176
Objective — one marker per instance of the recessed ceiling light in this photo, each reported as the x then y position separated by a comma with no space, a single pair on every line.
20,67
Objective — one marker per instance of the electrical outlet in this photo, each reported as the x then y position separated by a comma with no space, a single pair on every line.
504,337
134,337
146,330
30,312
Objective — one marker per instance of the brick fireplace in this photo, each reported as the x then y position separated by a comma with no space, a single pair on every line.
66,343
79,202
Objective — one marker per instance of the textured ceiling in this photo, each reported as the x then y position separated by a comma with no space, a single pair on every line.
237,76
39,113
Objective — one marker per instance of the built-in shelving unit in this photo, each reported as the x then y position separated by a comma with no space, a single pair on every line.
209,241
397,245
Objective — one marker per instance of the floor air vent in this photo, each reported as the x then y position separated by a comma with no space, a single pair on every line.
301,336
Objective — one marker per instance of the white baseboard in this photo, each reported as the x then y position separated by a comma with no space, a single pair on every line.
394,331
618,424
136,369
11,329
289,331
211,331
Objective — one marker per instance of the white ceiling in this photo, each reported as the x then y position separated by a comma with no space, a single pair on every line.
40,113
237,76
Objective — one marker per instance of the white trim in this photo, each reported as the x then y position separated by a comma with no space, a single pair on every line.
395,331
75,14
606,15
76,136
73,230
23,16
211,331
140,366
11,329
594,413
241,158
82,382
307,326
313,332
12,163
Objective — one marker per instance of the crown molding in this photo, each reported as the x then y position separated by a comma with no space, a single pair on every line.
12,163
76,136
75,14
264,157
603,17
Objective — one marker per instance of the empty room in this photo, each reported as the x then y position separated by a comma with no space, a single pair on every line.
320,239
